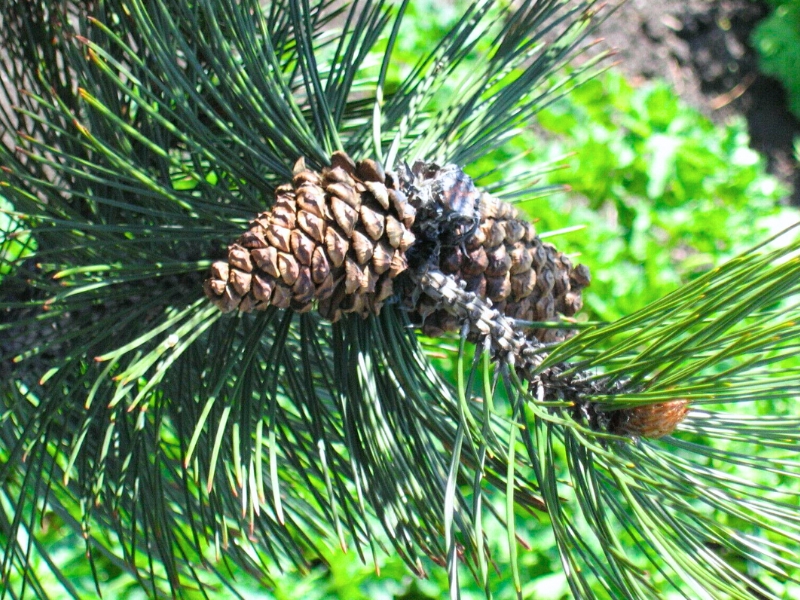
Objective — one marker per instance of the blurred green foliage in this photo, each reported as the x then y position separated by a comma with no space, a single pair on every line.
777,39
15,242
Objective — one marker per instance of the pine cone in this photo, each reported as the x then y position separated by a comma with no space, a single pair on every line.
340,238
480,240
337,238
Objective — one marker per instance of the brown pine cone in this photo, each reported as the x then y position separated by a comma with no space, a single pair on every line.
496,255
337,238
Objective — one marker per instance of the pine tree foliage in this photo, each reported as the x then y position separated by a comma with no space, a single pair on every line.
186,445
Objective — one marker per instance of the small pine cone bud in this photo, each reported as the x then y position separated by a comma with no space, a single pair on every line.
335,238
649,420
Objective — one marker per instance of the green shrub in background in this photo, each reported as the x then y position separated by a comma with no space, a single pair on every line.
662,191
777,39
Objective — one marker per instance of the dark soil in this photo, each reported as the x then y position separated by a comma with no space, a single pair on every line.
702,48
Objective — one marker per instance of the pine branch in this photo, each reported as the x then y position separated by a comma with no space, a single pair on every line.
185,444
